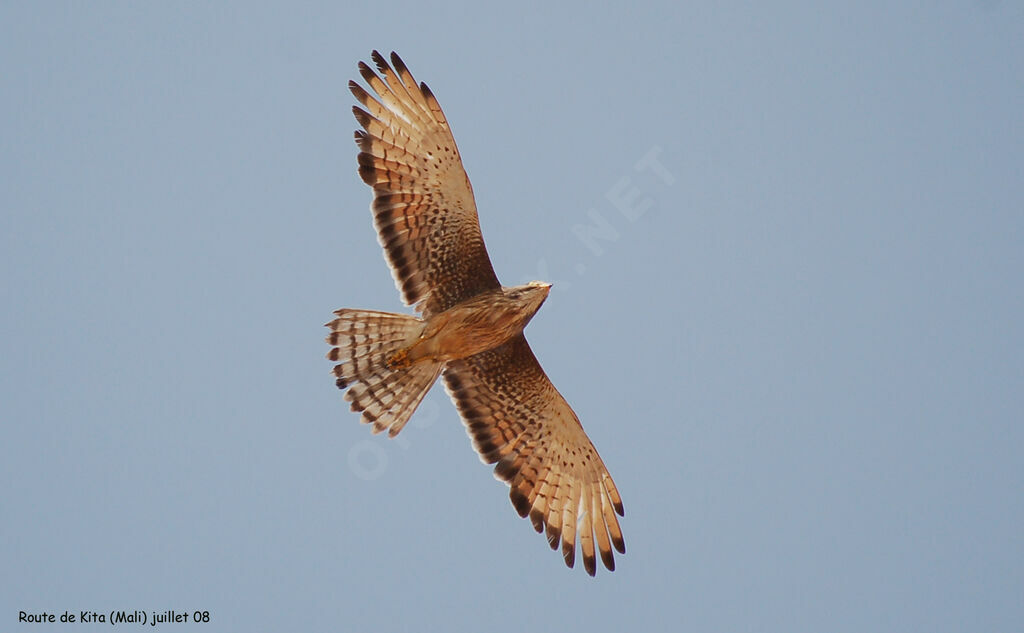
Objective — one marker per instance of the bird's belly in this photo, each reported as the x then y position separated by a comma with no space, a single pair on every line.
471,331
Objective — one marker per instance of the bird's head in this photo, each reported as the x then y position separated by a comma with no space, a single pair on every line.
538,291
540,285
530,295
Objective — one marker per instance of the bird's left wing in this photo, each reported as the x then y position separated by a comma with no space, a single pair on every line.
519,421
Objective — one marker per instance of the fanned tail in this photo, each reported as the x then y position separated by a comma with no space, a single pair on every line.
370,348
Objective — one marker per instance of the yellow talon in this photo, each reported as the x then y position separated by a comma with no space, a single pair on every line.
398,360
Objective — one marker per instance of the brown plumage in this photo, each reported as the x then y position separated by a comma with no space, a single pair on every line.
471,326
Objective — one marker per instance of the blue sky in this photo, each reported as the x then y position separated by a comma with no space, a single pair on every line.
796,342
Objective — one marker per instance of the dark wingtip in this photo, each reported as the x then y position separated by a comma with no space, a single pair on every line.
619,544
488,450
355,89
365,159
362,116
569,553
397,62
505,469
363,141
379,61
619,509
342,383
369,174
608,559
554,536
590,564
367,72
519,502
537,518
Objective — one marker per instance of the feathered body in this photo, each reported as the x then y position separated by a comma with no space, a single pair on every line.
391,360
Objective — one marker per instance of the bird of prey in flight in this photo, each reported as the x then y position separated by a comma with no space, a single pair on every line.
469,329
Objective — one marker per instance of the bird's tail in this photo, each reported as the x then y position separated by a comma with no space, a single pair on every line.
371,350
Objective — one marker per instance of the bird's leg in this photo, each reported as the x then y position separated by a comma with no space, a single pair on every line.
423,347
399,360
417,351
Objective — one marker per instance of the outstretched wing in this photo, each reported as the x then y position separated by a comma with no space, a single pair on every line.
423,203
520,422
